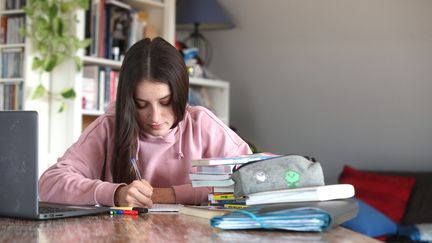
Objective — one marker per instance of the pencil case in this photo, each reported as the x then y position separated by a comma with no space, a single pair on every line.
278,173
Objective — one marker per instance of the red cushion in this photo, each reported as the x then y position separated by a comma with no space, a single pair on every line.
387,193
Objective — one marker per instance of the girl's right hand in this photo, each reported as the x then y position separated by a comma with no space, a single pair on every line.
136,194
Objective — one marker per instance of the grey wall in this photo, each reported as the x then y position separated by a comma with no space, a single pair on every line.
346,81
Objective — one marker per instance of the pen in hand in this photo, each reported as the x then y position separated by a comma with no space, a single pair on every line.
135,167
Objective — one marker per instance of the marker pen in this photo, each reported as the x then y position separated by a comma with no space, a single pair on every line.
128,212
140,210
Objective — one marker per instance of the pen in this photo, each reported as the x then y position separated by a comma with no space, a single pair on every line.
138,209
135,167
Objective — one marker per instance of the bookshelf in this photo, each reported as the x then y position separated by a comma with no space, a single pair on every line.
59,130
218,95
12,52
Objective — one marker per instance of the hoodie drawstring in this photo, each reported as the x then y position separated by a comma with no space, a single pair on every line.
180,153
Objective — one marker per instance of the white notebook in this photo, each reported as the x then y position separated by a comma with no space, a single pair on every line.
305,194
165,207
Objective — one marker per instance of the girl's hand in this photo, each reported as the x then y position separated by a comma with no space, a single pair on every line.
163,195
137,194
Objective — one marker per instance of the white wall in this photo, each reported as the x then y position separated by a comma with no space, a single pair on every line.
346,81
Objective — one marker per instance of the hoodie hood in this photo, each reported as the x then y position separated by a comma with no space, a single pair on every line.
110,108
170,137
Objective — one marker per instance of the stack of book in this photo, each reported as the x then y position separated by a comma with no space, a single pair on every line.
216,172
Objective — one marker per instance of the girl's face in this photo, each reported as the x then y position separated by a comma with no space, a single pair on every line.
155,112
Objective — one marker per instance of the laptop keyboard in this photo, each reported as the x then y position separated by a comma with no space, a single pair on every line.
56,210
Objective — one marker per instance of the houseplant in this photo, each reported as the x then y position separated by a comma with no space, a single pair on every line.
51,32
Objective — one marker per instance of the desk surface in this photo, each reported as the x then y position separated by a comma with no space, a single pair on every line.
155,227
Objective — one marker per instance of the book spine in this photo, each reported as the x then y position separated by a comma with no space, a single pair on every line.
235,206
227,196
240,201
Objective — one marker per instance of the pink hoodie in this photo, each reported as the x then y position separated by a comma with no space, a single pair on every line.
164,161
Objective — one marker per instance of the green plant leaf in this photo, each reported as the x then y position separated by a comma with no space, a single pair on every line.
28,11
52,33
68,93
53,10
85,43
39,92
84,4
49,63
66,7
58,26
37,63
78,63
62,107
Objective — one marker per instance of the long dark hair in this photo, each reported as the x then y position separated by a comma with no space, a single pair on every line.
148,60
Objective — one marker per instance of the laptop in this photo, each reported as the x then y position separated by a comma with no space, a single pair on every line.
19,172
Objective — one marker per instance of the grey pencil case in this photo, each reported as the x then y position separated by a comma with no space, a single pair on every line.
283,172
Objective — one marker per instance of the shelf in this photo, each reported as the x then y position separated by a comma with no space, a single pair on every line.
102,62
142,4
12,12
11,80
12,45
208,82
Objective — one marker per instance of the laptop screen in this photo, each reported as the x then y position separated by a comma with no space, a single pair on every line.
18,163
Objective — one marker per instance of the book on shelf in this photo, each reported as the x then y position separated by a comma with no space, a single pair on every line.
232,160
118,22
297,216
14,24
200,96
11,96
100,83
114,26
3,29
207,212
12,60
304,194
89,94
14,4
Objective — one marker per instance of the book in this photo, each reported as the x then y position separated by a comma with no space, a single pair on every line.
298,216
207,212
220,183
204,177
233,160
212,169
304,194
118,23
223,189
221,196
89,94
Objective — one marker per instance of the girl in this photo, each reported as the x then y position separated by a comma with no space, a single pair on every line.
149,126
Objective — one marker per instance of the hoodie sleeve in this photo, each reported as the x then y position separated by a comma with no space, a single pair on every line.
76,177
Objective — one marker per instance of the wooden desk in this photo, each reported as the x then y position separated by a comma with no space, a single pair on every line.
155,227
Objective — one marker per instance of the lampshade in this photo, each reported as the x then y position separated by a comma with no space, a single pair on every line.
206,13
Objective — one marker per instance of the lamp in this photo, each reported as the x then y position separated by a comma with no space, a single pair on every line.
199,15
